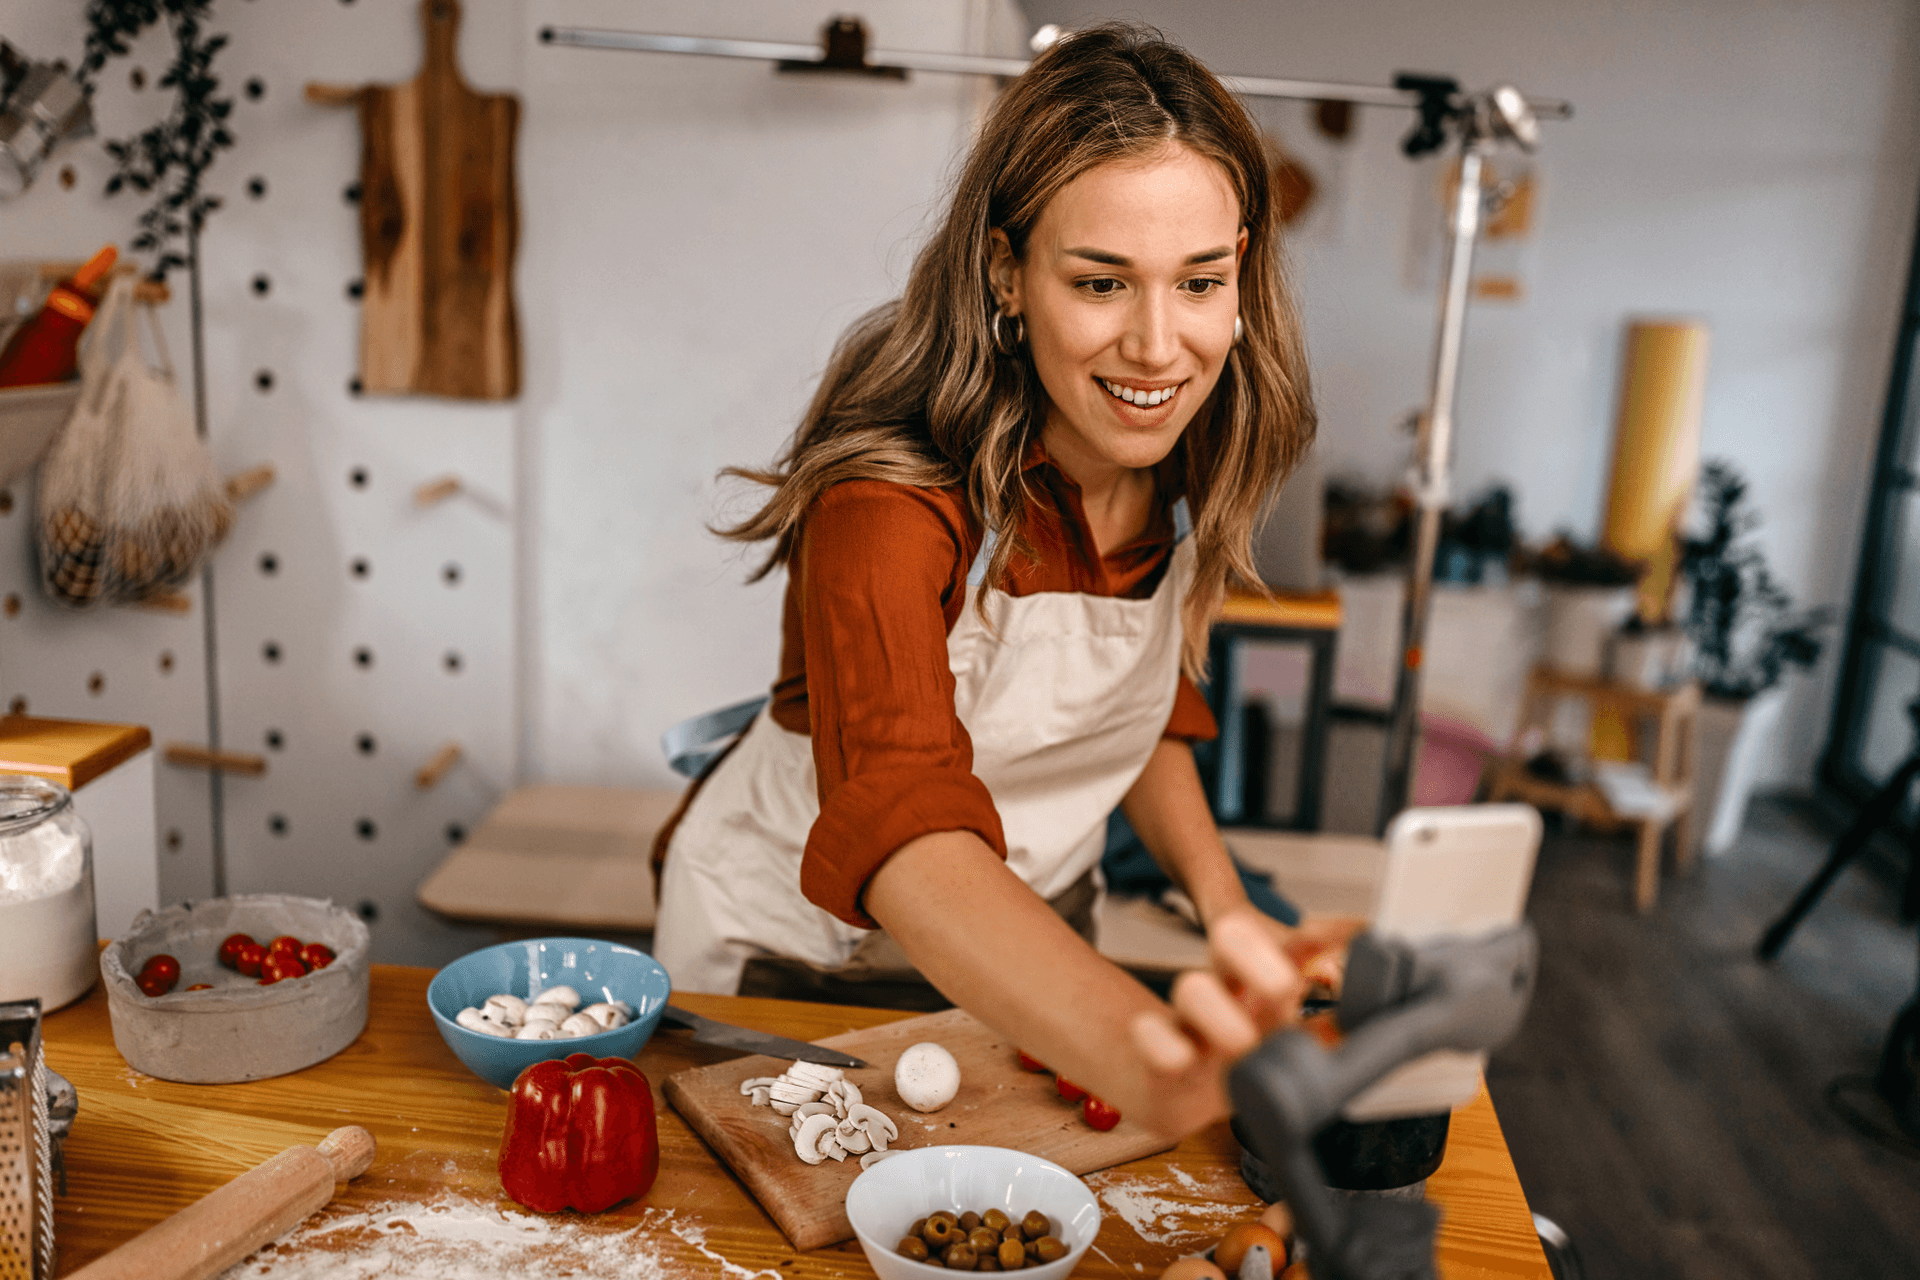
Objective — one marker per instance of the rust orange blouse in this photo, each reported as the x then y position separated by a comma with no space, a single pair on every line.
876,584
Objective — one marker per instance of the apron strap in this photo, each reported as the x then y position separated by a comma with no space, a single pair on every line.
977,572
694,744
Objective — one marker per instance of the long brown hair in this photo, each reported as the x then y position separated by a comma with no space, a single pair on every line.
915,392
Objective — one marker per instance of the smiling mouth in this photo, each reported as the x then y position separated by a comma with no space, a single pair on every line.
1138,397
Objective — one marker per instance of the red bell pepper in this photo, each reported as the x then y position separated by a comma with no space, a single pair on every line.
580,1134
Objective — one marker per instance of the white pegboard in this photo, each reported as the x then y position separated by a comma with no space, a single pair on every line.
355,632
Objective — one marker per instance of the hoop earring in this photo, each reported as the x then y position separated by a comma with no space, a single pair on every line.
999,334
1238,330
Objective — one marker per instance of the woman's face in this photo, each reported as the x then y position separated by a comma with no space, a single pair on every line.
1129,292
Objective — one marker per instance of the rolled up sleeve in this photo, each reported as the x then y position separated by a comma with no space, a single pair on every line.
878,578
1191,719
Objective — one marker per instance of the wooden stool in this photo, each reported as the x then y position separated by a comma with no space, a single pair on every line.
1672,714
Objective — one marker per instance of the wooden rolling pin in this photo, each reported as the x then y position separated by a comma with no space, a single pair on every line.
224,1226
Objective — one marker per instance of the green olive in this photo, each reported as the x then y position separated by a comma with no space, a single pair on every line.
944,1216
1032,1249
961,1257
987,1263
1049,1249
969,1220
1012,1255
913,1247
983,1240
1035,1225
995,1219
940,1232
919,1225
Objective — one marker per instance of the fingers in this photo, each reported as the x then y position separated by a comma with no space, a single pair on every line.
1163,1045
1211,1013
1248,955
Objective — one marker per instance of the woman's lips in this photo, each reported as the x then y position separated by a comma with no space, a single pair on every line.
1140,397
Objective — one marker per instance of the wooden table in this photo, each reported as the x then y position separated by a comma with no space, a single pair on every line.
143,1148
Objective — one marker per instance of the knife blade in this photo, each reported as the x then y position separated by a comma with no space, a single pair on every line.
726,1036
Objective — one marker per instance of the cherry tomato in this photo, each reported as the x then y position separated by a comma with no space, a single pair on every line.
279,966
201,986
1099,1115
154,984
285,942
230,949
1068,1089
249,960
1029,1063
163,965
316,955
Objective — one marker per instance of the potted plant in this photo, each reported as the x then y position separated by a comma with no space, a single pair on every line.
1746,633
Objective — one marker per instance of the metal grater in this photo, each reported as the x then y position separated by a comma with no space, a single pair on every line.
26,1147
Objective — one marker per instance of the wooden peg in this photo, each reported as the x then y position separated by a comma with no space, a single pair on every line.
436,491
432,771
332,95
174,602
243,485
225,1225
188,756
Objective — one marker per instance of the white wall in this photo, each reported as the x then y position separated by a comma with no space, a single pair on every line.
1754,164
698,234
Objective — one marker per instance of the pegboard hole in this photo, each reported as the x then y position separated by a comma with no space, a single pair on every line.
360,568
455,833
257,187
358,477
166,662
356,289
452,662
369,910
13,604
174,840
256,89
275,740
353,386
366,744
264,380
351,194
18,707
97,683
363,657
6,502
365,829
450,574
262,285
137,78
68,177
269,563
277,823
270,651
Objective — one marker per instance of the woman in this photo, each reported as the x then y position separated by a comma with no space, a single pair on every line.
993,619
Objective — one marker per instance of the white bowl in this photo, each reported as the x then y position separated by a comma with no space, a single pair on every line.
883,1202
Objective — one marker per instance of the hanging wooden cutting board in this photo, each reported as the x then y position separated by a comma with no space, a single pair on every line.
998,1105
438,225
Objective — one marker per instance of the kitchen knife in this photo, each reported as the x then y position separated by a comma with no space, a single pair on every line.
707,1031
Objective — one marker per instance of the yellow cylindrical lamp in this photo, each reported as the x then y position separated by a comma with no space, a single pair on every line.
1656,452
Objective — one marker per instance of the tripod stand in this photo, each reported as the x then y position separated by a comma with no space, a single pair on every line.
1898,1079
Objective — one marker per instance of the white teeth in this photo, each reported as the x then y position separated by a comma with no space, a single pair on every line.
1145,399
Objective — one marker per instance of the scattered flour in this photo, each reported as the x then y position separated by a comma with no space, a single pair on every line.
697,1237
1158,1220
459,1239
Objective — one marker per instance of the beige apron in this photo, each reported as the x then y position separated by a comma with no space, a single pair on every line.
1065,697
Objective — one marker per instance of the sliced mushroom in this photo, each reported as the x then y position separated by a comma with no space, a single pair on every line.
875,1157
787,1091
809,1109
854,1138
877,1136
851,1092
806,1143
784,1108
758,1082
761,1097
861,1113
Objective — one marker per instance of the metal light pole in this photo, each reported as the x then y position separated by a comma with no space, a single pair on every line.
1499,115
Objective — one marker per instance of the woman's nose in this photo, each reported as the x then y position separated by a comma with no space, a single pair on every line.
1150,341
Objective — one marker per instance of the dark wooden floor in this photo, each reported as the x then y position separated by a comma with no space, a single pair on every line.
1665,1100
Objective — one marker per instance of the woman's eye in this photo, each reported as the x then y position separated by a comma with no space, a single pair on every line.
1201,286
1100,286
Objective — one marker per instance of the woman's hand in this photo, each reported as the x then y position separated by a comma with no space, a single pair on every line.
1254,987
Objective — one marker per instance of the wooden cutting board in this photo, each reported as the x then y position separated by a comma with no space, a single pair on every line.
438,227
998,1105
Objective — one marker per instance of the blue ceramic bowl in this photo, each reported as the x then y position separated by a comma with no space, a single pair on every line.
597,970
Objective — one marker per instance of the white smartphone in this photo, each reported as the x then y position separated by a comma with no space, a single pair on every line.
1463,871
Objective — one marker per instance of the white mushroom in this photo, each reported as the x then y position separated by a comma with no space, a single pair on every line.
507,1010
606,1015
873,1158
854,1138
471,1019
785,1091
926,1077
784,1108
761,1097
806,1143
757,1082
566,997
810,1109
579,1024
872,1118
550,1014
537,1031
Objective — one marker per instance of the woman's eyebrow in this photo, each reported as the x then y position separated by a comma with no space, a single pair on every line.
1116,260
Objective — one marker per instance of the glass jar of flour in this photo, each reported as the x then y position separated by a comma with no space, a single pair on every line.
48,947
